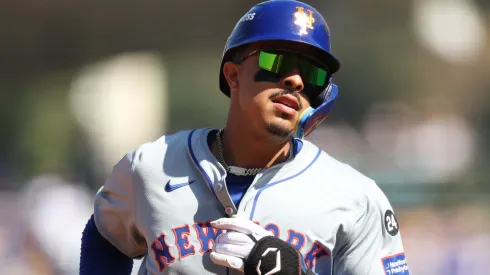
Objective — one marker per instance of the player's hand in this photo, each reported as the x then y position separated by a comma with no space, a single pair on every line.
233,247
248,247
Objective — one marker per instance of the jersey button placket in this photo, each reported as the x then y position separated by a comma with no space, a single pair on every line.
219,187
224,198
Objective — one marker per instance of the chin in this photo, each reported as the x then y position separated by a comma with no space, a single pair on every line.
280,128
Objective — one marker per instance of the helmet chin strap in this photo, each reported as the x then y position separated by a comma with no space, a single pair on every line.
312,117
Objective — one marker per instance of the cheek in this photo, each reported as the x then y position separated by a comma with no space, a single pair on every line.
251,91
305,103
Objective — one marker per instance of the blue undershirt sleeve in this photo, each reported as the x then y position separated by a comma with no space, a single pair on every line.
98,256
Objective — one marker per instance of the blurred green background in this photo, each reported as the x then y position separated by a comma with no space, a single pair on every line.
82,83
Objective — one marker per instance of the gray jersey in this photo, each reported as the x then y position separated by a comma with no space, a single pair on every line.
159,200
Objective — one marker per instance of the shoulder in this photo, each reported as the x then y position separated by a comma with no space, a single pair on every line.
334,169
148,163
347,180
157,150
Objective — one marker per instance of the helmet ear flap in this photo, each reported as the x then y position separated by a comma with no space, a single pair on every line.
323,96
312,117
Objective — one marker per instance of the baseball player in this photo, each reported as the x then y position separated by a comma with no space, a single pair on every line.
253,197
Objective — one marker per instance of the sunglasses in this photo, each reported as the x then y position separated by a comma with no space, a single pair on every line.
281,62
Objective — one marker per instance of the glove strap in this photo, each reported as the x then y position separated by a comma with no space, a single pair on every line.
272,255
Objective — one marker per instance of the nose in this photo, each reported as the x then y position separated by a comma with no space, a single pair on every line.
293,81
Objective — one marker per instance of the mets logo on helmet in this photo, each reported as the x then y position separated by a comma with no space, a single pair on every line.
304,19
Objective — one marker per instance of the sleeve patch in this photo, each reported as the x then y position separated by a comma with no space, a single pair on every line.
391,223
395,265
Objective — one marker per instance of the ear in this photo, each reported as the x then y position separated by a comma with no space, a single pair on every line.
230,71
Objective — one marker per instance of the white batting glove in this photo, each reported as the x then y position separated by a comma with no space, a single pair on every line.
233,247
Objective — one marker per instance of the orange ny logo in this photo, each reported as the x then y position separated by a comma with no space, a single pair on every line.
304,19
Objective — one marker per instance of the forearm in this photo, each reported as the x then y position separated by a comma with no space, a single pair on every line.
99,256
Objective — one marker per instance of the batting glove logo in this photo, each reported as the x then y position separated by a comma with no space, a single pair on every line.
277,268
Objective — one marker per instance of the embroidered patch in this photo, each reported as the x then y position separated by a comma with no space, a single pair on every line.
395,265
391,223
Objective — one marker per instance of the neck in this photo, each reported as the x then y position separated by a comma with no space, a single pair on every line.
245,148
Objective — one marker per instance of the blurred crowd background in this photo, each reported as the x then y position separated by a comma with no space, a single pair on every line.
83,82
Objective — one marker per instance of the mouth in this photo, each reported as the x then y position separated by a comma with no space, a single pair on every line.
287,104
288,100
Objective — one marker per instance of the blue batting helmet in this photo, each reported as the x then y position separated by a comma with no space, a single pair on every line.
281,20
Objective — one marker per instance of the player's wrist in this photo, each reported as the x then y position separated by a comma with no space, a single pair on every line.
304,268
274,256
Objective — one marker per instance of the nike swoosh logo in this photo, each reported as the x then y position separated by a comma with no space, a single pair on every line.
172,187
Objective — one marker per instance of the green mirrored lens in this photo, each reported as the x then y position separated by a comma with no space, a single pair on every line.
267,61
312,73
277,63
284,63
